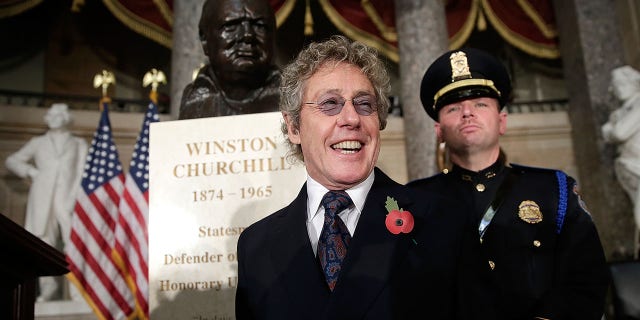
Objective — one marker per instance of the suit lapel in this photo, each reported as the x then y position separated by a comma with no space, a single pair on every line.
373,253
292,251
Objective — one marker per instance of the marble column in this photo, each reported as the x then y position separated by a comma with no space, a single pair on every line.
422,34
186,54
590,46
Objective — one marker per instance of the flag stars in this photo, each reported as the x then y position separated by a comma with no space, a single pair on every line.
102,162
139,167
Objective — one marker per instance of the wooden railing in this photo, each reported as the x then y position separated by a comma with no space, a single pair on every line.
78,102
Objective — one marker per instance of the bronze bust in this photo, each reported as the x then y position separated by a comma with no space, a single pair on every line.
238,37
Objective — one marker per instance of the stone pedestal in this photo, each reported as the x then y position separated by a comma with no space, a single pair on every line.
64,310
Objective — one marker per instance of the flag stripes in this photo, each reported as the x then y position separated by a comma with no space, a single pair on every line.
131,233
93,270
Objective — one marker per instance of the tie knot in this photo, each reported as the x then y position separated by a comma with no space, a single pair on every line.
335,201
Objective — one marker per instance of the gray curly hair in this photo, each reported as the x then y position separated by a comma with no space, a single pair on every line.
313,57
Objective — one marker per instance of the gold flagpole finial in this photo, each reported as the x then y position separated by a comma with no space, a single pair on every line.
153,78
104,80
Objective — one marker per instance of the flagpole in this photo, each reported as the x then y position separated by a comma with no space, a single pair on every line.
93,270
131,245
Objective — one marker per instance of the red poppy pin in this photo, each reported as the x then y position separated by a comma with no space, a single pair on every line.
398,220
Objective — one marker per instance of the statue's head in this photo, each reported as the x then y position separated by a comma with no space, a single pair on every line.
625,82
238,36
58,116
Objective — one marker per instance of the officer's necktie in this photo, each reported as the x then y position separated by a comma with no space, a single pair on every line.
334,238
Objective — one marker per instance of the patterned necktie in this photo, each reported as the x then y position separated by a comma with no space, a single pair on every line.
334,238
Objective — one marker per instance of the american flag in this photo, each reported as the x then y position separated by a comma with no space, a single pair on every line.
131,249
89,252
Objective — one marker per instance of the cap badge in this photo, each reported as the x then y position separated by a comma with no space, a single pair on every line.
529,212
459,66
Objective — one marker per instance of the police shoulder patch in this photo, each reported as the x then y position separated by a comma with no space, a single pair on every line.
576,191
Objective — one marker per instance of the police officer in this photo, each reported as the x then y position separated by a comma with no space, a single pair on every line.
540,256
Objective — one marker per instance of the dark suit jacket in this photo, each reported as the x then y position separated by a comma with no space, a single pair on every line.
384,276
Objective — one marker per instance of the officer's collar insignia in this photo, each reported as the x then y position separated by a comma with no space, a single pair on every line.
459,66
529,212
487,175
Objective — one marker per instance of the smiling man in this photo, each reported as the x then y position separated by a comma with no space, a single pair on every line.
238,37
541,254
336,252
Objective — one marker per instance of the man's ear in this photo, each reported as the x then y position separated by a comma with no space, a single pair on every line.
436,128
503,123
292,132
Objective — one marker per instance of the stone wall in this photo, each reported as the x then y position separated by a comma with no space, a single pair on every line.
536,139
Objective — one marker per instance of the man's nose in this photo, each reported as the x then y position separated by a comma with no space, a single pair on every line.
467,110
348,115
246,29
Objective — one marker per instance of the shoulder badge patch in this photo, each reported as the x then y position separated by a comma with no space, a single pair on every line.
529,212
580,201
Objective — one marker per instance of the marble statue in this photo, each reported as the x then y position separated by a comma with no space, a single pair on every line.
54,164
238,37
623,129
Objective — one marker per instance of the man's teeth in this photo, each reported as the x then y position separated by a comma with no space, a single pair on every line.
348,146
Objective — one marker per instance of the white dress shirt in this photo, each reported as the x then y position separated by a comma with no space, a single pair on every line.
350,216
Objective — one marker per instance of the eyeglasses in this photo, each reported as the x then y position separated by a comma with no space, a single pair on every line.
331,106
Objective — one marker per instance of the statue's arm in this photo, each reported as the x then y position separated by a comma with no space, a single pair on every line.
625,126
20,162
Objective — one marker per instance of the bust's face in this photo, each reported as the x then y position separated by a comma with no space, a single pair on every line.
240,37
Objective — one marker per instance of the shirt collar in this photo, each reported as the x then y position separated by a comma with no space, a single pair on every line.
486,173
315,192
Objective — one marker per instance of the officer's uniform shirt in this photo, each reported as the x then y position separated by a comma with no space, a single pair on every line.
482,185
528,269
